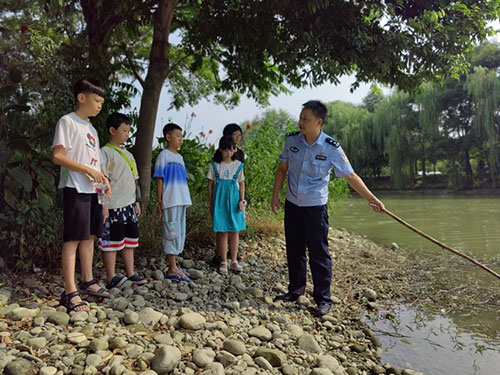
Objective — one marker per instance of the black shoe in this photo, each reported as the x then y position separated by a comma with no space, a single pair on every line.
323,309
288,297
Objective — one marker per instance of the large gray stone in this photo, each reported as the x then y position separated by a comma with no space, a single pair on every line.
192,321
167,358
59,318
275,357
19,367
329,362
308,343
22,313
235,347
37,343
321,371
79,316
214,369
203,357
149,316
262,333
48,370
120,304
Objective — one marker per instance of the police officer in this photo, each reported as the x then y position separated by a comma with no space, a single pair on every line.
309,156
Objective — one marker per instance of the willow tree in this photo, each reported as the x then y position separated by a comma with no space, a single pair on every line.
484,87
395,122
429,122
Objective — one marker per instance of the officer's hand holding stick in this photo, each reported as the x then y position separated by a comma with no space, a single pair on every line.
357,184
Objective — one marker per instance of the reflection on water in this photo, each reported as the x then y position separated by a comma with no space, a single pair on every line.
433,345
468,223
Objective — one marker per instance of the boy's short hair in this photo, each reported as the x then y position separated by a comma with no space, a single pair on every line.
88,86
318,108
115,119
169,128
229,129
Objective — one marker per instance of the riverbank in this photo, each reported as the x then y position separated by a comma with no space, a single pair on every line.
214,325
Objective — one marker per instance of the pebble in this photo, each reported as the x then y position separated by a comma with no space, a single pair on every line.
76,337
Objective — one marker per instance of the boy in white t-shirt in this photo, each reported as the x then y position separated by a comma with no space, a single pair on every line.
121,230
173,199
76,149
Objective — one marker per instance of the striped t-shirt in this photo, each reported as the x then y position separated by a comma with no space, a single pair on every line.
170,167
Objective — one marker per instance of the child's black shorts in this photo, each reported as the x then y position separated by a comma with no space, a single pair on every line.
121,229
82,215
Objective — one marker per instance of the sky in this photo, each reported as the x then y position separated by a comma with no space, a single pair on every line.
209,116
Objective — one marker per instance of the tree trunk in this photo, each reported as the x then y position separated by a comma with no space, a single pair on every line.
157,73
468,168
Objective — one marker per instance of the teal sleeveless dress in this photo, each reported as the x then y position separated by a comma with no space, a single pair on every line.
226,216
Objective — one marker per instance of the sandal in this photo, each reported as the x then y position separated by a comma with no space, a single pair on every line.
179,277
223,268
84,289
116,282
185,272
136,279
235,266
65,301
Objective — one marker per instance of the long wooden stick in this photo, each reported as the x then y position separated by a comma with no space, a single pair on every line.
440,244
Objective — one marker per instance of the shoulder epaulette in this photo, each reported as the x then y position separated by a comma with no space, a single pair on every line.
292,134
332,142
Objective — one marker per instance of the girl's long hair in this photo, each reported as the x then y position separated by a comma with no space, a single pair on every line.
225,143
229,129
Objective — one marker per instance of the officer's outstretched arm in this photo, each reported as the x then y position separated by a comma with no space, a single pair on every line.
278,185
357,184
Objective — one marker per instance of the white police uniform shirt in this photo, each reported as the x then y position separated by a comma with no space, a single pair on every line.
309,168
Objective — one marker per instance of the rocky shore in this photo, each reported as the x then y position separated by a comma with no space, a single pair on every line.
213,325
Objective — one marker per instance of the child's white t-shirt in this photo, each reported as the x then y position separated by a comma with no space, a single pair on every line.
81,144
226,171
170,168
120,176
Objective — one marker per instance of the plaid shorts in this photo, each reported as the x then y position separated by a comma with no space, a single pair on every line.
120,229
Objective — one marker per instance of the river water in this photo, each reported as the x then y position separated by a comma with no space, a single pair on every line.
434,344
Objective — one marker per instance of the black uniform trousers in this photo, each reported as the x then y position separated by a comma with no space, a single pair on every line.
307,228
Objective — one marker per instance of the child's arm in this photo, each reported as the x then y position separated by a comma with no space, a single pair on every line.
159,195
357,184
241,205
59,158
210,195
278,185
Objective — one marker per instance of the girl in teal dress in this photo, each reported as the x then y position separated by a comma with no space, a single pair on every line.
226,194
